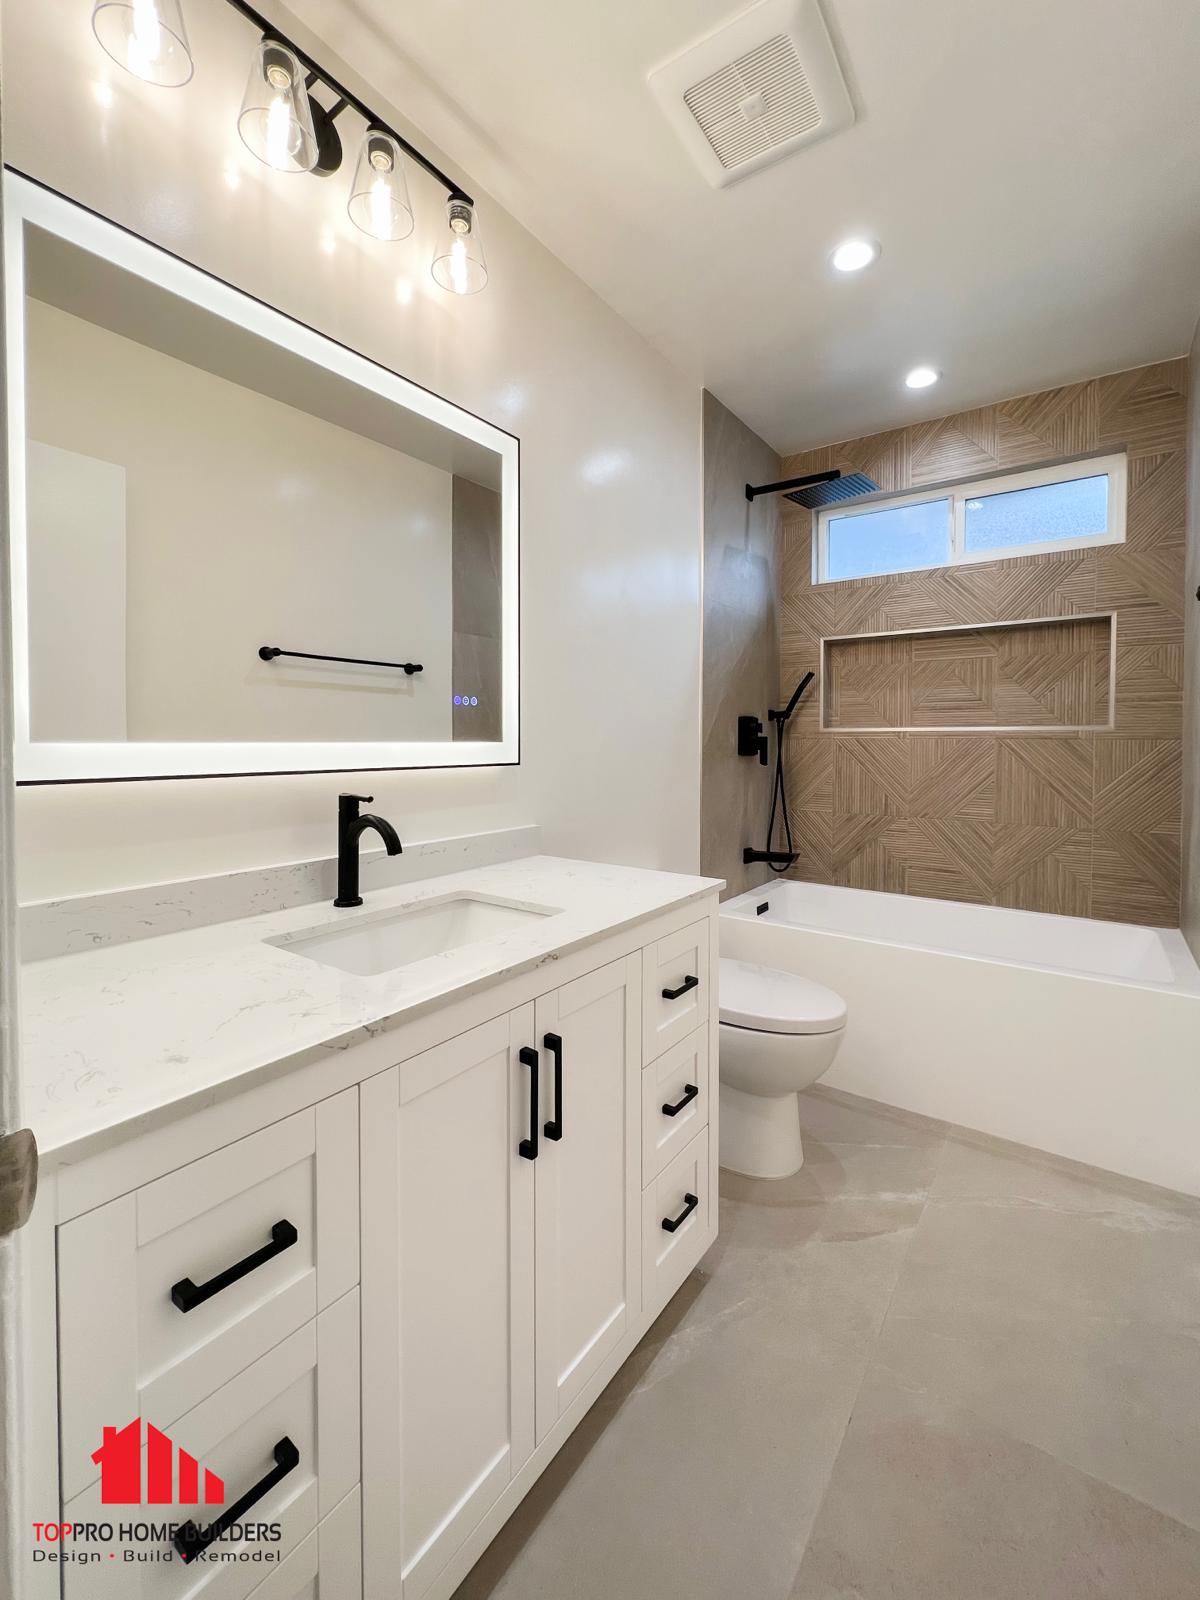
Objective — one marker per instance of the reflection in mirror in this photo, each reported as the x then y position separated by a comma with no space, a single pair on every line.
229,542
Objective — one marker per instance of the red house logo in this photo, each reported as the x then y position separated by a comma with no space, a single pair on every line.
120,1461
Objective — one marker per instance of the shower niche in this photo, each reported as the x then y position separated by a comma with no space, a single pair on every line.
1054,674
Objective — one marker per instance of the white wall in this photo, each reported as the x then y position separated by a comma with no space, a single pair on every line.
247,522
610,488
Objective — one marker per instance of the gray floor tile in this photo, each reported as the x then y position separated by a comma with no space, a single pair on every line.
700,1470
1116,1399
838,1118
930,1366
927,1502
1035,1258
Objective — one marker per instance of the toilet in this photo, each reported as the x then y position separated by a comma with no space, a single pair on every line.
779,1033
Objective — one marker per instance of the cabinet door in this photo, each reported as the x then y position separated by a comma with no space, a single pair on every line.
451,1311
588,1180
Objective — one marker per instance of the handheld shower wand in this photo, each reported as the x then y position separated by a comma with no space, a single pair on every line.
779,860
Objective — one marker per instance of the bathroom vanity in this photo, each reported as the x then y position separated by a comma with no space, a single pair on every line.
360,1211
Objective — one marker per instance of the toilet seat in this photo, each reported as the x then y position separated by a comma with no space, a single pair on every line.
769,1001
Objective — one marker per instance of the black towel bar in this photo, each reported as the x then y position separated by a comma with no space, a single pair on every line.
268,652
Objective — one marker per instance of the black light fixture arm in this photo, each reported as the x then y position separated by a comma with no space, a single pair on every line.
346,97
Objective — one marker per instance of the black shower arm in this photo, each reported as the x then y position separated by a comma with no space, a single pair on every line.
752,492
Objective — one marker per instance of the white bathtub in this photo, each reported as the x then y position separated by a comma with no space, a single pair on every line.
1077,1037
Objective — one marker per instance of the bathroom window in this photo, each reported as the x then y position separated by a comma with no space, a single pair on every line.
1069,507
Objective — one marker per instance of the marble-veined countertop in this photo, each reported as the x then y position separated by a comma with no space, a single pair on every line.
111,1037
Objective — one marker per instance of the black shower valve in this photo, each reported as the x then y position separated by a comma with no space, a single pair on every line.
752,741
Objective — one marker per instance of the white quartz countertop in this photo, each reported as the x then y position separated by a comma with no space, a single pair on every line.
113,1036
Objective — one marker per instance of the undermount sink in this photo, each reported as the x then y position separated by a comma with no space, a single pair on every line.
382,943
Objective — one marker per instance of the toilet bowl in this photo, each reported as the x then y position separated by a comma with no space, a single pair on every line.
779,1033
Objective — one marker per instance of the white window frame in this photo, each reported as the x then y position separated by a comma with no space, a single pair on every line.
1115,467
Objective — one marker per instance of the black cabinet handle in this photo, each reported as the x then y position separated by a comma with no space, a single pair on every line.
671,1223
191,1541
690,1091
528,1057
553,1043
690,982
187,1296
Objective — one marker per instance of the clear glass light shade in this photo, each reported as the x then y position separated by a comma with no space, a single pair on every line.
378,201
147,38
276,122
459,264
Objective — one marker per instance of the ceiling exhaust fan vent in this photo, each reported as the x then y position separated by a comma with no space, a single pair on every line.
761,86
755,104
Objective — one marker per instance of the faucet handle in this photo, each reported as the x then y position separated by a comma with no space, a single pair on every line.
357,799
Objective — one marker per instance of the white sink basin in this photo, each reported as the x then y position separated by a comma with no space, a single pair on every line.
381,943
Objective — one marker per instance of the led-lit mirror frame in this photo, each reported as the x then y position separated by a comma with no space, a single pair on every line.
27,203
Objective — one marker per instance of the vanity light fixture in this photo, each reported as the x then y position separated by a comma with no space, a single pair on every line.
458,261
922,377
276,122
379,203
288,128
146,37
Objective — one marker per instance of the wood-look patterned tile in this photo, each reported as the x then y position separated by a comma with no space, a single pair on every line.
1150,687
1043,869
953,777
1135,877
1044,782
1138,784
871,775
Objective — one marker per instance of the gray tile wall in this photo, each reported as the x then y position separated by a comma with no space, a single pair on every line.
1191,673
741,641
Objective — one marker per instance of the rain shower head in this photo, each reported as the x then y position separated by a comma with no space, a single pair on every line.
818,489
828,494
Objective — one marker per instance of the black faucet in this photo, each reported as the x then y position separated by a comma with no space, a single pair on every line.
351,828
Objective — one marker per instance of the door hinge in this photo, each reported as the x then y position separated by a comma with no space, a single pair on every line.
18,1179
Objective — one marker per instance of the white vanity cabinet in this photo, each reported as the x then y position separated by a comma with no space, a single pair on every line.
501,1205
412,1264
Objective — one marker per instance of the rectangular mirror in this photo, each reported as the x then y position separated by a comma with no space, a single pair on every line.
238,546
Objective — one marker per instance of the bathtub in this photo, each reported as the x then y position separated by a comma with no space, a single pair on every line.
1080,1038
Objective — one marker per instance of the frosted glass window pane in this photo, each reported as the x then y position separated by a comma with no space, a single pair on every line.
895,539
1053,511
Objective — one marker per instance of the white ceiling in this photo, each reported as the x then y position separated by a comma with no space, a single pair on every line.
1032,168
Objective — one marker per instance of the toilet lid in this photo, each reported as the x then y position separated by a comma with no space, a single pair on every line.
777,1002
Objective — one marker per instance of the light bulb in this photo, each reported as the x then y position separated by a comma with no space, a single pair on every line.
922,377
458,261
146,37
378,201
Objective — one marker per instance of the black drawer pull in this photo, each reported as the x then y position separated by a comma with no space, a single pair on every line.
690,982
671,1223
191,1541
528,1057
690,1091
187,1296
553,1043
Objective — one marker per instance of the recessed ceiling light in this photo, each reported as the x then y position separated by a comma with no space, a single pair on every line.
922,377
852,255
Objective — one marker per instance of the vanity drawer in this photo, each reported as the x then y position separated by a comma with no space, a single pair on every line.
684,1193
675,996
167,1292
325,1566
675,1091
288,1426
